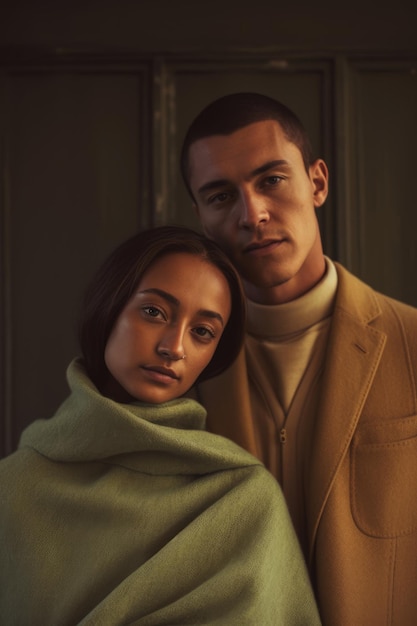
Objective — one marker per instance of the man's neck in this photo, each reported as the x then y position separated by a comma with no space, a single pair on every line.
287,291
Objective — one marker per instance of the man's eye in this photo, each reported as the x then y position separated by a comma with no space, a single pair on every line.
218,198
273,180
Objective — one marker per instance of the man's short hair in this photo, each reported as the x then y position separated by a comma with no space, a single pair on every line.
235,111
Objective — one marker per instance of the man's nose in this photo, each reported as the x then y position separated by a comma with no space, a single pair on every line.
171,344
252,210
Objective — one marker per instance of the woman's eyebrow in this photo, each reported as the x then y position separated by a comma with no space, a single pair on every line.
212,314
173,300
164,294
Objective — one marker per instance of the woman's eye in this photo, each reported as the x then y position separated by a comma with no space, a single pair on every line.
152,311
205,333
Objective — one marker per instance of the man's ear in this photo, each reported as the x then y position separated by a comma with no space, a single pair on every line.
319,176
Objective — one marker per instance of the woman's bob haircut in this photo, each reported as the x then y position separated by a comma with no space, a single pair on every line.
117,278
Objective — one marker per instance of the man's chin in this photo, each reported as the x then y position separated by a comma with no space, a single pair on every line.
264,282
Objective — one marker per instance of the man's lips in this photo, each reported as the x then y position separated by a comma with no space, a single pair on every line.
262,246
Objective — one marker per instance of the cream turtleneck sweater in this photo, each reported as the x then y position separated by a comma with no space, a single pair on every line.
287,342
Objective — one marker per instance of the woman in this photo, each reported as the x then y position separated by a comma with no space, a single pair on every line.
121,509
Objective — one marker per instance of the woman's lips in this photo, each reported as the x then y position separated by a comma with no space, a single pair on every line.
160,374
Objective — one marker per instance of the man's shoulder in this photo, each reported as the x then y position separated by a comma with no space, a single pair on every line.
353,288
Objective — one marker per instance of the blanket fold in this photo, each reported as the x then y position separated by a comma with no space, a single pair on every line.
134,514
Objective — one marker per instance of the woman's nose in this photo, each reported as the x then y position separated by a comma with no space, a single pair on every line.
171,345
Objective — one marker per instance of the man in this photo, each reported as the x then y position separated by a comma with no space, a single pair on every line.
325,390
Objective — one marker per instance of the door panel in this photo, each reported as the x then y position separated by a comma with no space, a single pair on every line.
383,167
89,155
72,146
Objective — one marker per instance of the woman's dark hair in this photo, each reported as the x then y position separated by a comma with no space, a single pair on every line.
116,280
237,110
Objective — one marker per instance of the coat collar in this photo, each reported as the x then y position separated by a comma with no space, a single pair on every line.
355,298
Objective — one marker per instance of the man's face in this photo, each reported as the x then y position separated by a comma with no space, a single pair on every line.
256,200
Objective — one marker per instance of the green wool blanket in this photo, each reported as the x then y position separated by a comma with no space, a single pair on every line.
114,514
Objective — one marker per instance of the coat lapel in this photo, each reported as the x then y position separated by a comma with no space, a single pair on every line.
354,352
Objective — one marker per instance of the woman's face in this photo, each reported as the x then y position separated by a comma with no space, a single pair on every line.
168,331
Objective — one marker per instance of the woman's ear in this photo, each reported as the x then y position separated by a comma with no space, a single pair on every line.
319,176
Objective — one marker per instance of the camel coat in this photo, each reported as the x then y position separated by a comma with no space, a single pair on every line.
360,482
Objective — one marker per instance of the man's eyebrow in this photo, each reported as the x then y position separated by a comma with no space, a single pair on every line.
269,166
221,182
173,300
213,184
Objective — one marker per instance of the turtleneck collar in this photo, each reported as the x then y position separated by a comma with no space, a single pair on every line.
293,317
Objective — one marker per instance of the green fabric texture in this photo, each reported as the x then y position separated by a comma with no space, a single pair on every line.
133,514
